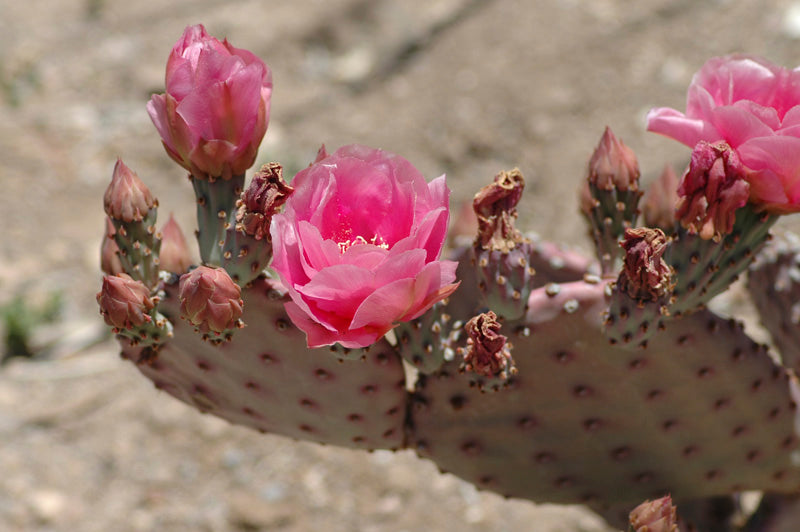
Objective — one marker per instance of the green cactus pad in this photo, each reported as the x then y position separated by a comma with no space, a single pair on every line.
266,379
702,411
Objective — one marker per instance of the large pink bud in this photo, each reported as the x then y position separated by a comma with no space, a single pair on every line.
216,107
124,302
210,300
358,244
754,106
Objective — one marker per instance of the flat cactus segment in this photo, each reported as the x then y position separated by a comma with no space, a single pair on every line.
774,285
265,378
702,411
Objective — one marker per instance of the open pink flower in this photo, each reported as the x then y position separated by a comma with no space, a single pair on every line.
357,246
216,108
754,106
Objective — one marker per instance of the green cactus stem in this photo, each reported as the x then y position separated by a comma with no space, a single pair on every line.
707,268
425,342
150,335
243,256
139,247
216,213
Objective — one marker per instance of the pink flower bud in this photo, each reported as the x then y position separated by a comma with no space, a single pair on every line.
712,190
495,205
658,204
357,246
487,352
266,194
124,302
109,251
127,198
655,516
754,106
216,106
174,255
613,165
210,300
645,275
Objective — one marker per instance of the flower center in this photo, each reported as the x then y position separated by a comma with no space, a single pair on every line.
375,241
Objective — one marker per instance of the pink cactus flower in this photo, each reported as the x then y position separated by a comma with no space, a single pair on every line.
216,107
754,106
357,246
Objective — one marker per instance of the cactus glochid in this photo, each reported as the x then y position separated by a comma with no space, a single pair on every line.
529,370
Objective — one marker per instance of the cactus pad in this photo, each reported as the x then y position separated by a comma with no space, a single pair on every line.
265,379
702,411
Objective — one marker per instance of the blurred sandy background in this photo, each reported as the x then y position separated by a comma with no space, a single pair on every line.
463,87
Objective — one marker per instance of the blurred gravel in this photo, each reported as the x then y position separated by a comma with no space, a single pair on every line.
466,87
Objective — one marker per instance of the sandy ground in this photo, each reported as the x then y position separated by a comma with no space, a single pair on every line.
463,87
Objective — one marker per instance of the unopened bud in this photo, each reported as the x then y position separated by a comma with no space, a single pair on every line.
659,515
613,165
124,302
712,190
174,255
487,353
210,300
109,251
127,198
495,205
658,204
645,275
266,194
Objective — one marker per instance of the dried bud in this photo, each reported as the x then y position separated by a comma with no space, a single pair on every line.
265,195
712,190
174,255
658,206
210,300
613,165
495,205
645,275
127,198
124,302
109,251
655,516
487,352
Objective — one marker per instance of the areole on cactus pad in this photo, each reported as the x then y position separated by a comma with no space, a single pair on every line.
322,309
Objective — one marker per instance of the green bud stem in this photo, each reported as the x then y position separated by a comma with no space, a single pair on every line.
614,211
707,268
216,213
150,334
243,256
139,248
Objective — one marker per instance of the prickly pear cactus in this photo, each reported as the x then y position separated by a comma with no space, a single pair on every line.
324,310
266,380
